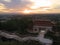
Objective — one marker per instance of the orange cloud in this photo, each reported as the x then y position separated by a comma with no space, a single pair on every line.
2,6
4,9
36,6
43,6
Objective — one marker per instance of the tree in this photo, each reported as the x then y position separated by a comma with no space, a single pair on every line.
56,38
32,42
17,25
54,34
24,24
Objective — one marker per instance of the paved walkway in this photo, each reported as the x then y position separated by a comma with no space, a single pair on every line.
40,37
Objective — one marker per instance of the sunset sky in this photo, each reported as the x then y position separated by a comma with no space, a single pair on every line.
29,6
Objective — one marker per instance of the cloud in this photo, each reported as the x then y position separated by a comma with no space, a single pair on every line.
2,6
19,5
15,3
57,6
7,0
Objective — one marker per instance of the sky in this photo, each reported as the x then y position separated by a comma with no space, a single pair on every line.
29,6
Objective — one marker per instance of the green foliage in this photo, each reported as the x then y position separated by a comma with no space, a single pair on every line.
16,25
32,42
10,43
49,35
58,26
28,42
52,34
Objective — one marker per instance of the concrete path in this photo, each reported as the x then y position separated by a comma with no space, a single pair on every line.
40,37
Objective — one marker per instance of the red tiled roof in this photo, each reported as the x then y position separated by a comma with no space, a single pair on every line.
43,23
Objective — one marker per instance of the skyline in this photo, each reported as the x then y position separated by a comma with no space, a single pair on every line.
29,6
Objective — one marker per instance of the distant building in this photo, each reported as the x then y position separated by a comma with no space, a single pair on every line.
39,25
